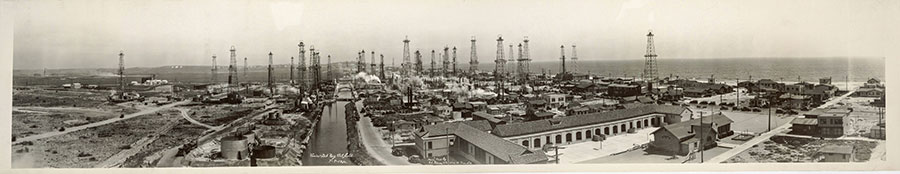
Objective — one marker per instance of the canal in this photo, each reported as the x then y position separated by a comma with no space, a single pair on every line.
328,146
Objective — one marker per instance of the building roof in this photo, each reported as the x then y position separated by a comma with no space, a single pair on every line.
695,89
487,116
544,114
764,81
537,126
805,121
537,102
499,147
448,128
840,149
815,112
683,129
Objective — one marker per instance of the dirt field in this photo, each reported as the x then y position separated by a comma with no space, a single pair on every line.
34,120
863,117
216,115
791,149
87,147
56,98
181,133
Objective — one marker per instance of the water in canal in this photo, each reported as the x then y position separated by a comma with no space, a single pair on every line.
328,146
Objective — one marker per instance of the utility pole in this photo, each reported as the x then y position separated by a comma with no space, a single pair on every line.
738,102
769,126
701,137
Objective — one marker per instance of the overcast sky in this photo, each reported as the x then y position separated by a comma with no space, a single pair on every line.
90,33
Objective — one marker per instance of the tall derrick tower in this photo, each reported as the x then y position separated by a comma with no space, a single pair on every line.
292,71
498,67
520,65
407,67
122,73
232,68
526,61
454,61
328,69
574,60
316,69
215,70
473,58
446,56
271,79
361,62
650,60
512,58
373,65
562,54
419,68
245,67
381,74
302,66
432,63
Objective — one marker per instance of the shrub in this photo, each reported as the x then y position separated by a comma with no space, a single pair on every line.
62,129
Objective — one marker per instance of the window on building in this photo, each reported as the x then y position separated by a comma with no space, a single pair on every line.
429,145
537,142
577,135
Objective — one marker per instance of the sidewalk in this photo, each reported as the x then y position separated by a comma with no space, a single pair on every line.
377,148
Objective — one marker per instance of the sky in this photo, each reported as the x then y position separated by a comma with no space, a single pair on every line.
90,33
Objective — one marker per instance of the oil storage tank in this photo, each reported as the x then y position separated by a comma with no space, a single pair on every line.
264,152
234,147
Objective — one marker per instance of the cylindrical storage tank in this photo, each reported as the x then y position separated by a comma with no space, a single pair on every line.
264,152
234,147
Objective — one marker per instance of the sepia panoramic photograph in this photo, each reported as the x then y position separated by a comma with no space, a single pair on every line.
284,83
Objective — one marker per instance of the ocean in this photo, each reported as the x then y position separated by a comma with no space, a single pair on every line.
729,69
